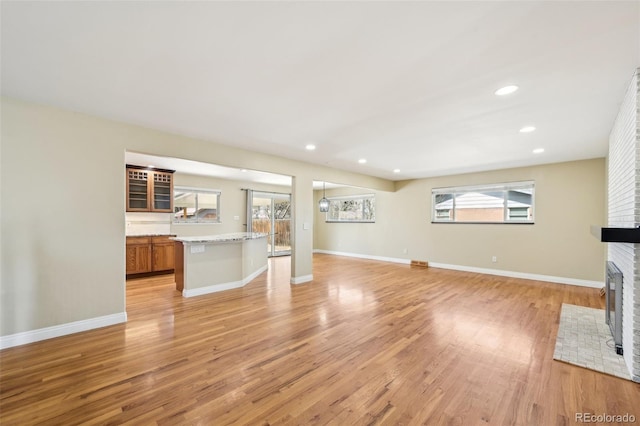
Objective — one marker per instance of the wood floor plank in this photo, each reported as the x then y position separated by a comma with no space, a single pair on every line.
365,343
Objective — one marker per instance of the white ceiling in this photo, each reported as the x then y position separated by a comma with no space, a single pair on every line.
407,85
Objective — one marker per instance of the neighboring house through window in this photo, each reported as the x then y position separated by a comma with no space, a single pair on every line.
497,203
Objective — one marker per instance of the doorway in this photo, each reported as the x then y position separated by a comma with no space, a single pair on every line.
271,214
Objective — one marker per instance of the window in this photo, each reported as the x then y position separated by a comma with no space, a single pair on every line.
498,203
191,205
353,208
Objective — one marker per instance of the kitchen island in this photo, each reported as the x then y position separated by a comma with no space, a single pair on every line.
212,263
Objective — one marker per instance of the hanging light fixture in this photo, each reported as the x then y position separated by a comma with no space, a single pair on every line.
323,203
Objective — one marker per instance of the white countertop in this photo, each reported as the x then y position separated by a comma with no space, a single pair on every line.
151,235
221,238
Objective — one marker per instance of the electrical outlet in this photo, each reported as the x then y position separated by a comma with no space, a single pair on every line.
197,249
494,259
405,251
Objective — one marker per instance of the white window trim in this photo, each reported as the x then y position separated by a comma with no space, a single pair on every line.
218,192
350,197
507,186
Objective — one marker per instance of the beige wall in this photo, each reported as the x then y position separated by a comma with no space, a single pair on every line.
302,218
63,220
569,198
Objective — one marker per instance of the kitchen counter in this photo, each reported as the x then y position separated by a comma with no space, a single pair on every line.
151,235
222,238
212,263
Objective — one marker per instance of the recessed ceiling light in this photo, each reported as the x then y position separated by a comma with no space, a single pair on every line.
506,90
527,129
310,147
538,150
396,170
243,170
151,166
362,160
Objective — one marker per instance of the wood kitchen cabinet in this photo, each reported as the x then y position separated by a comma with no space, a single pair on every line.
163,254
147,254
149,190
138,255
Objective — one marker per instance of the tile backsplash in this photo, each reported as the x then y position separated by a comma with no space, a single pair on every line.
147,223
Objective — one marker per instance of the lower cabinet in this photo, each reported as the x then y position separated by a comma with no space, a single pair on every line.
138,255
150,254
163,254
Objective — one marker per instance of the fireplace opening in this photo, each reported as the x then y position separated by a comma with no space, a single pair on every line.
613,300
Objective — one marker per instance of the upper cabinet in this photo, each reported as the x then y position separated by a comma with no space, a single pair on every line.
162,192
149,190
138,184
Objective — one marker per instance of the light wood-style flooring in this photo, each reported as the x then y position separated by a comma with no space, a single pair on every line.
365,343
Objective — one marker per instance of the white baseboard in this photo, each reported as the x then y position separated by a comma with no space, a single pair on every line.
32,336
524,275
500,272
211,289
302,279
365,256
224,286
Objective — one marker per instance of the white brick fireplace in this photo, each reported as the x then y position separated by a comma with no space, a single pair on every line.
624,211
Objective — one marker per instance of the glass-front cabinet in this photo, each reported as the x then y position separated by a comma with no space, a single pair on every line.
137,190
162,192
149,190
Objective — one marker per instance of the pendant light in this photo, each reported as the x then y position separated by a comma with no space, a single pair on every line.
323,203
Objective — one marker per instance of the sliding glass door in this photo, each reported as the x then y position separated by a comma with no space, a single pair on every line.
271,213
